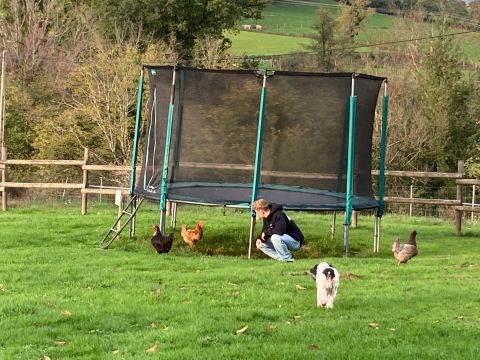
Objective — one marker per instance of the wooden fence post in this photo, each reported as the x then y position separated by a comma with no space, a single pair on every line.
85,182
4,179
472,217
459,213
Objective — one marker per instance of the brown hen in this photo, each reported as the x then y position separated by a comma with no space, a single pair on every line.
161,243
404,252
191,236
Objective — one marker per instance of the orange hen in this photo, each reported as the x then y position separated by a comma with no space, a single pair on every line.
191,236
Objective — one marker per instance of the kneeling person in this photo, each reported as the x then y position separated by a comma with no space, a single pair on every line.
280,234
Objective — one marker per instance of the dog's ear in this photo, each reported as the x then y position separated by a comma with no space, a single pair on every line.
328,272
313,272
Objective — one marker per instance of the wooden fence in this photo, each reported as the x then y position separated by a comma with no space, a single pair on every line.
85,188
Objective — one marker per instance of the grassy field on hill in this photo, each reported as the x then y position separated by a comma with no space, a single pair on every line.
294,20
62,297
252,43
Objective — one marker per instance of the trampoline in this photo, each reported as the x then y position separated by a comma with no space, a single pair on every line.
229,137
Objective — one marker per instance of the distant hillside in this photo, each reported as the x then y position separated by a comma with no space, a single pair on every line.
294,19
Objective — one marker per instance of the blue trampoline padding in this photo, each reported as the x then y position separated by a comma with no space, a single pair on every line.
239,194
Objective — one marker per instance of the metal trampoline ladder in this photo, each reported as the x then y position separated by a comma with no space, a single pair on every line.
134,206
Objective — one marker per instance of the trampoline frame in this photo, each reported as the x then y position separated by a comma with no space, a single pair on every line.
257,171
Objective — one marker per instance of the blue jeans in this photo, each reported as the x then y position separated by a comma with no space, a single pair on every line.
278,247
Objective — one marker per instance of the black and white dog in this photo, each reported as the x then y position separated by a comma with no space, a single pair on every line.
327,279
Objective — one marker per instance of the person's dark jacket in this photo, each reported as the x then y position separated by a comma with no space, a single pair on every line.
277,222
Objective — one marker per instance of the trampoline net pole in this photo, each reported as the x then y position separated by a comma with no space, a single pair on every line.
258,159
166,157
138,119
383,150
350,166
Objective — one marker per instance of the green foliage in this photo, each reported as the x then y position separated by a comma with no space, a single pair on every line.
19,131
447,95
98,112
64,298
186,19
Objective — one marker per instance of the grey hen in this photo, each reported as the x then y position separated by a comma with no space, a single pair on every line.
404,252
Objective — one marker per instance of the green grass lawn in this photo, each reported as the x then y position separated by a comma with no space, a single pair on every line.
62,297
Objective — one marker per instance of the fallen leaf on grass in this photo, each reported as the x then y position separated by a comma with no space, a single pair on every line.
152,349
373,325
299,287
242,330
44,357
392,329
312,347
115,352
66,313
349,275
59,343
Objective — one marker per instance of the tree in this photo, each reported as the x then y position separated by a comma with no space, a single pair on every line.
474,10
324,41
42,34
351,15
185,19
43,40
99,110
210,53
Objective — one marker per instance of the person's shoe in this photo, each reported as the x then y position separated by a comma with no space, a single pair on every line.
290,260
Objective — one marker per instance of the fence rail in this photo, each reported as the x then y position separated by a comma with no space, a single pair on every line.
85,188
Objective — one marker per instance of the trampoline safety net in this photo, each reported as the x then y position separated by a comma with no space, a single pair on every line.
213,141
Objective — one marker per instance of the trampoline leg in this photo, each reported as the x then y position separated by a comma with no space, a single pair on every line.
332,229
173,221
250,238
133,206
376,236
162,221
345,240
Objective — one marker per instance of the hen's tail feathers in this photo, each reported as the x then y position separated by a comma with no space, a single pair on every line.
413,238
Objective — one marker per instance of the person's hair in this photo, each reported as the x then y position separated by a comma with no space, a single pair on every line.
260,204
